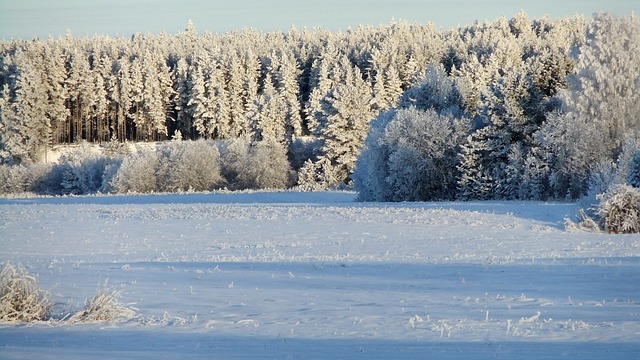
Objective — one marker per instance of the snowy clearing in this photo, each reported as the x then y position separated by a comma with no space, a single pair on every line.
316,275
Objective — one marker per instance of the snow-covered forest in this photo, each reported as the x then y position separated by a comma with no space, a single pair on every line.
512,109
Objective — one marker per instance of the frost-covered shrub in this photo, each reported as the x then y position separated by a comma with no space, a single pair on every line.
13,179
45,179
21,299
269,167
603,177
416,155
371,167
571,146
263,165
174,166
82,170
189,165
619,210
37,178
137,173
111,169
317,176
234,155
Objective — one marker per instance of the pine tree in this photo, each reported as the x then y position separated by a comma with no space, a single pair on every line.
80,90
122,88
324,73
513,111
100,107
157,92
379,92
181,89
26,127
237,95
474,181
56,74
268,115
348,112
286,78
10,150
393,87
219,101
472,78
198,105
136,98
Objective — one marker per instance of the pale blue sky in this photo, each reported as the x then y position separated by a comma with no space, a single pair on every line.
40,18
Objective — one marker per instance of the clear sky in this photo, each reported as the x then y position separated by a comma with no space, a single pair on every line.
27,19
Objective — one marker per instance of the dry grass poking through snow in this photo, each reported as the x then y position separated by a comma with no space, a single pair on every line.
21,298
23,301
104,307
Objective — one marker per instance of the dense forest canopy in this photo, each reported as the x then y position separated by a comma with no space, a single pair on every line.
515,108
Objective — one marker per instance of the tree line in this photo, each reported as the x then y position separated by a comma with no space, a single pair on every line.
515,108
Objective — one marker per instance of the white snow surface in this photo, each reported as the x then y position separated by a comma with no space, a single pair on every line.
317,275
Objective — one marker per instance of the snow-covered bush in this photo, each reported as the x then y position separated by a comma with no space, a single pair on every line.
111,169
416,155
82,170
603,177
619,210
317,176
13,179
189,165
269,167
234,156
174,166
45,179
37,178
104,307
137,173
260,165
371,167
570,145
21,299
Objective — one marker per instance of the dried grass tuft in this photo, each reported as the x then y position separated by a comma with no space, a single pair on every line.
21,299
104,307
586,223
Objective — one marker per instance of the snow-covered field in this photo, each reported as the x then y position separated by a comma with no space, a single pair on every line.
316,275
